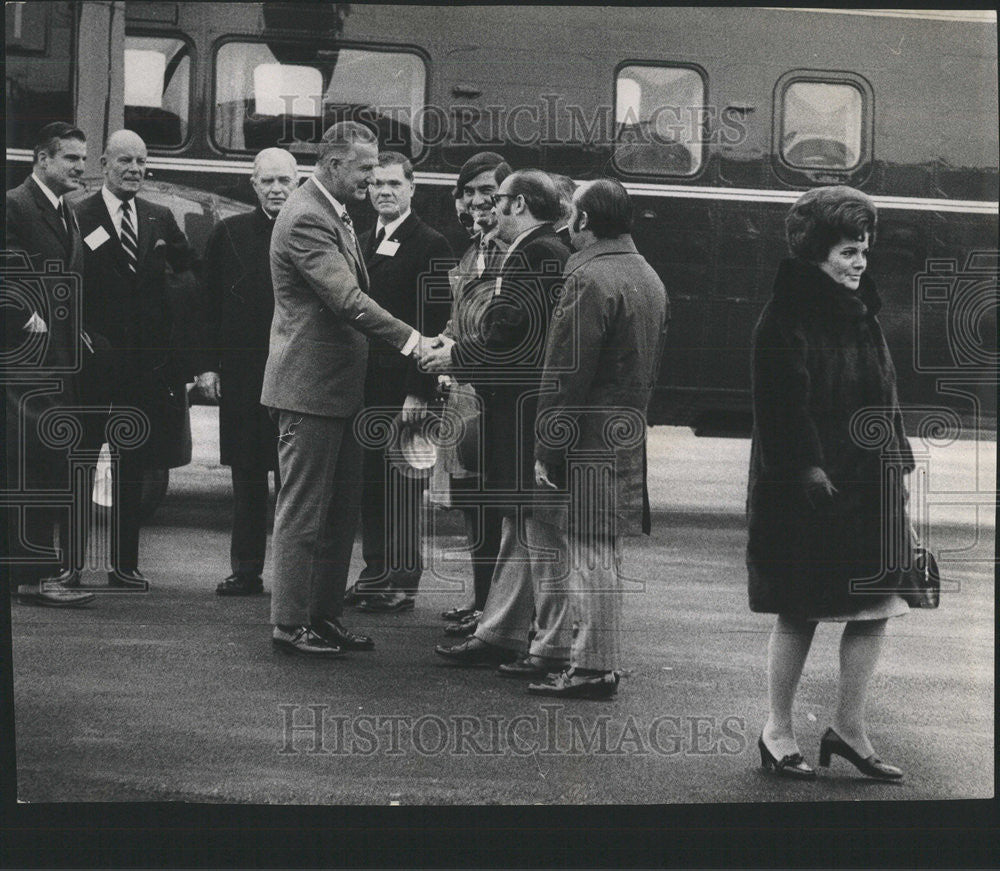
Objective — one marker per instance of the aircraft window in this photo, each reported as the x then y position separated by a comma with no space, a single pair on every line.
158,89
286,95
659,120
821,125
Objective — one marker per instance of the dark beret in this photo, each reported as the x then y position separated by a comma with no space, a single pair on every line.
476,164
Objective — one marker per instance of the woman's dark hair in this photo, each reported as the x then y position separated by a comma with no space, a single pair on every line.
821,217
608,207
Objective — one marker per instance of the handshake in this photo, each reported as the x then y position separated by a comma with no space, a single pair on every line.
433,354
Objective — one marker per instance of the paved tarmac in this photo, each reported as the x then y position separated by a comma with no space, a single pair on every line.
177,694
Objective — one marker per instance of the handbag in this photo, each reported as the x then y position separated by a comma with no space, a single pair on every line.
921,583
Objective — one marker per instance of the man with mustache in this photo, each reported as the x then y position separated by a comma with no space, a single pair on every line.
239,305
130,244
404,257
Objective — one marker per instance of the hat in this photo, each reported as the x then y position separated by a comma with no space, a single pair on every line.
476,164
412,450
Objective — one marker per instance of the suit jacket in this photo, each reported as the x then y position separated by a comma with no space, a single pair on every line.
505,359
132,312
411,285
238,303
603,352
323,315
35,232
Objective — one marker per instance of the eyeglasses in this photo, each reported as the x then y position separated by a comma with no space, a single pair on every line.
497,197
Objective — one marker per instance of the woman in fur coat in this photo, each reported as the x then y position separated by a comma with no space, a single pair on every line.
823,512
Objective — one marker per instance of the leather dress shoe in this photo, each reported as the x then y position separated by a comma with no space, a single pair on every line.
475,653
532,666
569,684
133,580
388,603
240,585
336,633
302,640
464,628
68,578
457,615
355,596
51,594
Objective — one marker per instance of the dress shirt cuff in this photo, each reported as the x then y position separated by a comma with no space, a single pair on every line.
411,343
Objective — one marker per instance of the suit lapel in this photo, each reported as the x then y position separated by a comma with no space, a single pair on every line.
144,228
50,215
347,239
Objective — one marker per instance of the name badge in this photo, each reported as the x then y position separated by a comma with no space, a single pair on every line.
387,248
96,239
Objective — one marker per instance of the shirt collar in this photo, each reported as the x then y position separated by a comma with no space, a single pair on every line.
113,202
522,236
338,206
51,197
393,225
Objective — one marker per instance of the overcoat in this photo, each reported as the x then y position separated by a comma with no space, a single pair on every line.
603,352
505,361
239,305
824,395
142,365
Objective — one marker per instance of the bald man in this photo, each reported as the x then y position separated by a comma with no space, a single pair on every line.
128,244
239,304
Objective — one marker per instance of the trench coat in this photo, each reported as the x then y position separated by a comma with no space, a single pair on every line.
824,395
603,353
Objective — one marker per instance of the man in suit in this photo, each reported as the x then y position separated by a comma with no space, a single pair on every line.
603,352
505,363
314,381
402,255
41,230
239,305
129,246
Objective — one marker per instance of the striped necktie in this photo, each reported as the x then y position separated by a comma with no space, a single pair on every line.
130,243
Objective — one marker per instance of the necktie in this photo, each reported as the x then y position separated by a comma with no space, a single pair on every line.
346,218
64,214
481,258
379,236
129,242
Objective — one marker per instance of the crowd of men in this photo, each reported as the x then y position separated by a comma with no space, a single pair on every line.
531,373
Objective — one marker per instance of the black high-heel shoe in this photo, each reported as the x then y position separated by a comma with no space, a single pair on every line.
872,766
792,766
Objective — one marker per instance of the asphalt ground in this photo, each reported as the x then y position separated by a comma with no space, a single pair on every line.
177,694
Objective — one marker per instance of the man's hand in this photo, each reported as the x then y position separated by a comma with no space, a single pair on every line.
209,385
414,409
819,488
438,358
543,478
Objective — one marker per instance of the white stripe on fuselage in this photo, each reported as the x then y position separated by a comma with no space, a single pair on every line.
641,189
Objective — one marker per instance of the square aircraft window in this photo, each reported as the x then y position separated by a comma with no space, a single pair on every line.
821,125
659,120
158,89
